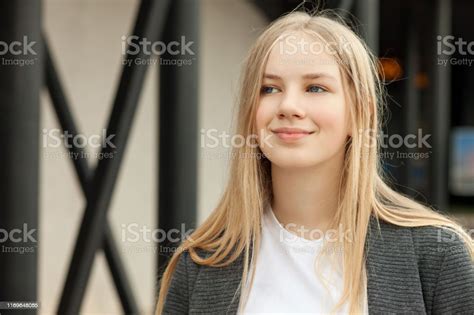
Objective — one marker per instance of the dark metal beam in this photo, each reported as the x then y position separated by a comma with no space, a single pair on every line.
149,24
412,97
83,172
20,84
368,12
272,9
441,118
178,123
345,7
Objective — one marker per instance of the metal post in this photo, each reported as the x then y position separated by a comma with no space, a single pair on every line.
345,7
412,97
368,12
20,84
441,119
178,123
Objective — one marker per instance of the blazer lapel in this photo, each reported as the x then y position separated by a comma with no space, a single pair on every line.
218,287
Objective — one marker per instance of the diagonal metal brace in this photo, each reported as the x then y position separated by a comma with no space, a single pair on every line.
83,172
149,24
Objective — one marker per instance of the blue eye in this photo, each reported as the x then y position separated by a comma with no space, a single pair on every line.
316,89
269,90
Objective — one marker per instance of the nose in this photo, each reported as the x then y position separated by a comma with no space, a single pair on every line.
289,107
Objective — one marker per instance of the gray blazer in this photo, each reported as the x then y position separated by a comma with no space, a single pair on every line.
415,270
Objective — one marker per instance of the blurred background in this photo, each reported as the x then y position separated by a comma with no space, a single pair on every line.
108,137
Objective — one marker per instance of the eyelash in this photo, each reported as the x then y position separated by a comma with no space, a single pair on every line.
262,90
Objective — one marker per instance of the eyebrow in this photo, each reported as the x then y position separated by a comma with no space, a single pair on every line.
306,76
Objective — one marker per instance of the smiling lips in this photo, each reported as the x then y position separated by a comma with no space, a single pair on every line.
289,134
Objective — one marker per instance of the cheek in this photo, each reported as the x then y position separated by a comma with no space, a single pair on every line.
332,119
262,116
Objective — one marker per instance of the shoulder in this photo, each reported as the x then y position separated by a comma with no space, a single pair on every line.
430,246
442,250
441,257
185,272
427,238
186,266
446,269
431,241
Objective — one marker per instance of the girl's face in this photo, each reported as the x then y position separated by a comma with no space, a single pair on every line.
302,116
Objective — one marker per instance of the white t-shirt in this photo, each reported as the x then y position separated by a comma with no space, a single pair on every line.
285,279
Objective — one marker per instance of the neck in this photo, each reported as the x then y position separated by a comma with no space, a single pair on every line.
307,197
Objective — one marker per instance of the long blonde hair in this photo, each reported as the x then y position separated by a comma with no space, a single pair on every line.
234,227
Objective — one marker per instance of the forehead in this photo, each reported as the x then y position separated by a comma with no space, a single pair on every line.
298,53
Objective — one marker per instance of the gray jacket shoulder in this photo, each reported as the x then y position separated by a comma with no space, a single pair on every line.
445,266
446,270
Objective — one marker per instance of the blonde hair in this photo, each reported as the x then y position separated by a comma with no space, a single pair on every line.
234,227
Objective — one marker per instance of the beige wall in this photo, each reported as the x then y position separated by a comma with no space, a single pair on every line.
85,37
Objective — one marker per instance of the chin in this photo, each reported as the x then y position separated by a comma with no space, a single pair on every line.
293,161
